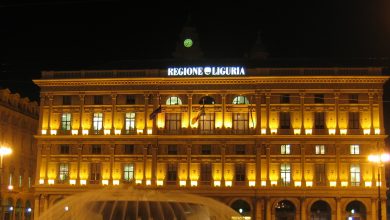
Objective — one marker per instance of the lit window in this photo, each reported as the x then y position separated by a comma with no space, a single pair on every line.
355,149
240,122
238,100
172,122
285,149
285,174
66,121
130,122
173,101
320,149
355,175
128,172
97,122
63,172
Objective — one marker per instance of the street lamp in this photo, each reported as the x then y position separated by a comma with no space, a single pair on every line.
3,152
379,159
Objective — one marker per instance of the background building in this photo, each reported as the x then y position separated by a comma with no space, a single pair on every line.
273,143
18,125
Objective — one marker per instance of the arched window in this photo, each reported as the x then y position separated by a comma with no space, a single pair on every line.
320,210
207,100
285,210
239,100
173,100
241,207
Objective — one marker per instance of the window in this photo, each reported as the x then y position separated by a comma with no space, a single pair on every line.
63,172
66,100
171,172
96,149
239,100
206,149
172,149
240,149
130,123
353,98
355,149
172,121
285,149
64,149
98,100
130,100
319,120
285,174
66,121
207,100
319,98
128,172
320,149
353,120
95,173
285,98
355,175
206,123
205,172
320,176
129,149
240,122
284,120
240,171
97,122
173,101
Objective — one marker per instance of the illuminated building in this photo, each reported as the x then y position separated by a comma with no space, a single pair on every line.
19,122
274,142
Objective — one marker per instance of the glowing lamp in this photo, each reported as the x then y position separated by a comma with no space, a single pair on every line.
44,132
274,183
217,183
138,182
228,183
332,131
53,132
117,132
252,183
377,131
263,183
85,132
10,187
50,181
194,183
83,182
379,158
378,183
160,182
182,183
366,131
309,183
41,181
107,132
343,131
309,131
344,183
148,182
140,131
104,182
332,183
368,184
263,131
115,182
297,183
72,182
297,131
150,131
75,132
274,131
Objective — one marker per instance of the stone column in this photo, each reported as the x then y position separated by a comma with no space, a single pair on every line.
268,152
223,152
146,118
113,110
303,208
156,103
154,164
374,208
189,111
50,97
338,181
258,112
268,103
145,160
223,95
47,152
189,164
338,209
336,102
381,119
112,154
268,212
258,164
82,100
41,107
38,165
302,103
79,152
303,160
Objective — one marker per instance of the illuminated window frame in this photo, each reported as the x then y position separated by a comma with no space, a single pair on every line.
240,100
285,149
173,100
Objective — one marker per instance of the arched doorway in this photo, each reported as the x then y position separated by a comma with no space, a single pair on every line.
28,211
284,210
18,209
356,211
9,209
320,210
241,207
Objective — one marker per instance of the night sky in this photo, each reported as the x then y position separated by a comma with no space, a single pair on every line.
61,35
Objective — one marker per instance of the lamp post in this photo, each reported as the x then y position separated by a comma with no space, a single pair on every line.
379,159
3,152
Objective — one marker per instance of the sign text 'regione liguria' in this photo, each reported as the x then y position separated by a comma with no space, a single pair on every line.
207,71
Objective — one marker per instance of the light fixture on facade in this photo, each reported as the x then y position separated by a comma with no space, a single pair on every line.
377,131
115,182
41,181
182,183
263,131
297,183
75,132
308,131
107,132
368,184
309,183
104,182
53,132
343,131
217,183
72,182
297,131
85,132
274,183
83,182
263,183
366,131
274,131
228,183
332,131
44,131
117,132
332,183
50,181
138,182
194,183
148,182
160,182
344,183
10,187
252,183
150,131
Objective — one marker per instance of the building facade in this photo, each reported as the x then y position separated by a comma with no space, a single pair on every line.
18,124
272,143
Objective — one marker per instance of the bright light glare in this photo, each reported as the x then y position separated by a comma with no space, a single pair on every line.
5,150
379,158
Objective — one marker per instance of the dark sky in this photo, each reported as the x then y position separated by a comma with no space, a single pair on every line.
50,34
